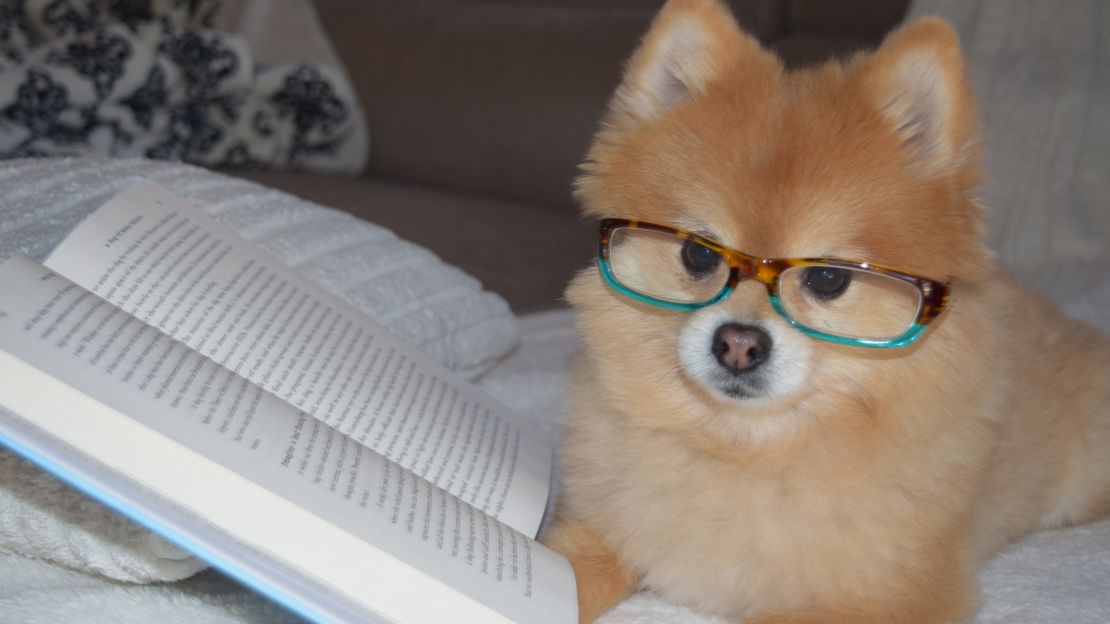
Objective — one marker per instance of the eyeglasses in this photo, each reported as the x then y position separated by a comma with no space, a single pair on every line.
843,301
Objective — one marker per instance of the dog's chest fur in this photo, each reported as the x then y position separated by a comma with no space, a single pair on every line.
741,537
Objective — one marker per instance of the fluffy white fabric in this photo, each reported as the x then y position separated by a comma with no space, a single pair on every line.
1056,577
38,592
42,518
432,305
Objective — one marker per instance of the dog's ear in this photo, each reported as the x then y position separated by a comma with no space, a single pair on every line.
688,46
918,81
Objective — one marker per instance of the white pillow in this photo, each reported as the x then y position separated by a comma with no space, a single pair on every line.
430,304
163,84
434,306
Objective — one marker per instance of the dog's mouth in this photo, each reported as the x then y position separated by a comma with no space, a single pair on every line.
742,388
736,392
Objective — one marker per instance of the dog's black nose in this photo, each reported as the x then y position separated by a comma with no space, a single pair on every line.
740,348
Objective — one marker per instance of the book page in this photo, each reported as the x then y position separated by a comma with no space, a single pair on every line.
171,266
113,359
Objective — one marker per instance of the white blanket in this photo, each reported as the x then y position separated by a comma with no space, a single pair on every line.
432,305
1056,577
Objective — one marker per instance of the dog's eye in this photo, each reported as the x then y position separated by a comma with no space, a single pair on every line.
698,259
827,282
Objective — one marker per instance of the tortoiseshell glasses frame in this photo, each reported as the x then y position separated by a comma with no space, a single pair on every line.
934,295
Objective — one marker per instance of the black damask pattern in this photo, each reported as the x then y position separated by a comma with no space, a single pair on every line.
263,123
192,133
198,101
71,17
149,98
132,13
205,61
101,60
315,109
16,32
199,12
40,108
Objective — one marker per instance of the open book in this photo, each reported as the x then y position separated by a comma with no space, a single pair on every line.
185,377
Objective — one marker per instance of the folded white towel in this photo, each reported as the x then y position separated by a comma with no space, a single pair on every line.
432,305
37,592
42,518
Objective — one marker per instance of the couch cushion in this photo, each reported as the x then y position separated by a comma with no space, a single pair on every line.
800,50
498,98
524,253
863,19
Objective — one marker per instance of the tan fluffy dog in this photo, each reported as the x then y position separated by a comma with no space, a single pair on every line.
860,485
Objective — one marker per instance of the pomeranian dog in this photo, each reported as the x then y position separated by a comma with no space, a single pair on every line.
807,393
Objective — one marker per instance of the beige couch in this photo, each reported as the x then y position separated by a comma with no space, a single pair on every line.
479,112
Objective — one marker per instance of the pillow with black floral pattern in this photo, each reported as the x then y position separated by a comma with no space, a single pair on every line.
150,78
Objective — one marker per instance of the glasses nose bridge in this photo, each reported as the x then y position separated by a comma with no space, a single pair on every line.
750,267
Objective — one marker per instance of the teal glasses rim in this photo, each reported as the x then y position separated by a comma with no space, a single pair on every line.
934,294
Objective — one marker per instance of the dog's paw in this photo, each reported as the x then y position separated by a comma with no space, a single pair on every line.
602,580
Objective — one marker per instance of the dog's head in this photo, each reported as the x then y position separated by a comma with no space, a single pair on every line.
874,159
